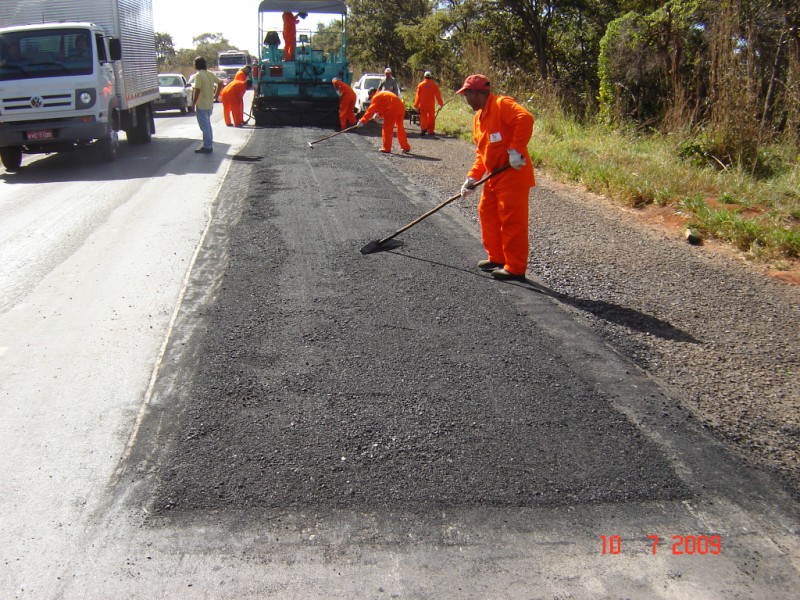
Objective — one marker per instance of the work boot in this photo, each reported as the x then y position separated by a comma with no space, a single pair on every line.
423,132
488,265
407,151
504,275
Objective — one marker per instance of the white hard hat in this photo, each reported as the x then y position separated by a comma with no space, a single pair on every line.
428,74
388,70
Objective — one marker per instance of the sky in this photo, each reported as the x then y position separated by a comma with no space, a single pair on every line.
236,20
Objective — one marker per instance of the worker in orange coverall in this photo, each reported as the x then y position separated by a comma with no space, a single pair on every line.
501,129
232,97
347,103
290,22
428,94
391,108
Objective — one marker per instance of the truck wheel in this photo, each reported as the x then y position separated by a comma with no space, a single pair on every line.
11,157
141,134
109,145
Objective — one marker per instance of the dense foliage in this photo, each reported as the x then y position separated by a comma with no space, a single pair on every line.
727,68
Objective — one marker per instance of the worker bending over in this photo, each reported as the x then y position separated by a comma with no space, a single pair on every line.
502,130
232,98
391,108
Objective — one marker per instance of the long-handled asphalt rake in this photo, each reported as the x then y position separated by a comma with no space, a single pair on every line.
378,245
441,107
327,137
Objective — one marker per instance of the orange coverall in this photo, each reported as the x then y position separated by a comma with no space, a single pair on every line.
428,94
391,108
347,104
289,35
503,207
232,97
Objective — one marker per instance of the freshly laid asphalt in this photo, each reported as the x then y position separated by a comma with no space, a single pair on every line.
331,424
401,379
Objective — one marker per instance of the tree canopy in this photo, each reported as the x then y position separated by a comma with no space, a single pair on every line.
656,63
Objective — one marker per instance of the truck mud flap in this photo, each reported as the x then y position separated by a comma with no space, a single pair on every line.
278,112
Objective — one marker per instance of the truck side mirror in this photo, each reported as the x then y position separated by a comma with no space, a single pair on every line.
115,49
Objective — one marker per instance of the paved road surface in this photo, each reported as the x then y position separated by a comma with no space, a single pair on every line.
323,424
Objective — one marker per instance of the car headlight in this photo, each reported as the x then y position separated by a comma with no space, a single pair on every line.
84,98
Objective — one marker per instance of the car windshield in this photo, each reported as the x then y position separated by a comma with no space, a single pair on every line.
170,81
232,60
371,82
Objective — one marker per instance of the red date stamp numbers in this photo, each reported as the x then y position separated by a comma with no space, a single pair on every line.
688,545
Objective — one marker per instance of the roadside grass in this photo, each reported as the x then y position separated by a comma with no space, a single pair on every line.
758,216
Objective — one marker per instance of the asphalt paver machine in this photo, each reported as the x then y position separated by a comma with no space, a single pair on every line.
298,91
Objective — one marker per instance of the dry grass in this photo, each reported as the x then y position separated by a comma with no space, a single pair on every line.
759,216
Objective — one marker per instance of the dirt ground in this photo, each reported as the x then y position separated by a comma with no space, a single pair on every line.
740,374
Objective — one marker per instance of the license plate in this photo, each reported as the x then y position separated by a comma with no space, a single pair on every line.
41,134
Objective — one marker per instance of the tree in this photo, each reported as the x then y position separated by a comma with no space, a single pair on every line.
374,39
165,49
427,42
209,45
328,37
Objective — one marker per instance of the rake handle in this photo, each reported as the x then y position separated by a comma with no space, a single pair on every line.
327,137
481,181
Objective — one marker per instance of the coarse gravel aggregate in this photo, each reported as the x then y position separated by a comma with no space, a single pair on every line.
736,362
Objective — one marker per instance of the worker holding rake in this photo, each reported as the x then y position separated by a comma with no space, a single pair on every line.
391,108
502,129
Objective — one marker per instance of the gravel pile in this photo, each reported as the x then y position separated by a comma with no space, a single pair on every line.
723,335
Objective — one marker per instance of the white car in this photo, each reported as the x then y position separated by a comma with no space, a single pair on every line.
175,93
362,87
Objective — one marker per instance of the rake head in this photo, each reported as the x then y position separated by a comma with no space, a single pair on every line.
377,246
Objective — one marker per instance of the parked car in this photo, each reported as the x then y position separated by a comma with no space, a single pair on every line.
362,86
175,93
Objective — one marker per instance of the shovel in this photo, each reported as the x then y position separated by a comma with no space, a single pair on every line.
378,245
327,137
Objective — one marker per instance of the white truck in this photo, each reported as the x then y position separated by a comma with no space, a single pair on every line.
73,73
231,61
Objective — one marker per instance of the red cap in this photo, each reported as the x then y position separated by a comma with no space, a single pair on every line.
475,82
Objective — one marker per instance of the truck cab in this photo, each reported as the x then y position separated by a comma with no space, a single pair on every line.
62,87
231,61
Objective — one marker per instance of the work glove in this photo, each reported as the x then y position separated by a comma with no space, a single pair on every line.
468,187
360,123
515,159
